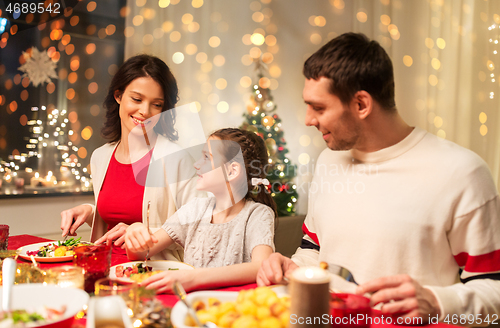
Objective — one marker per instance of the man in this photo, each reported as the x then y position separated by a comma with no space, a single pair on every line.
404,211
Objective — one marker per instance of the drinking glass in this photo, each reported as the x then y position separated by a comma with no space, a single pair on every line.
4,236
349,310
95,261
128,291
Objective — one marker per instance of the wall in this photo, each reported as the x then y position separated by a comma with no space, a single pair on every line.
40,216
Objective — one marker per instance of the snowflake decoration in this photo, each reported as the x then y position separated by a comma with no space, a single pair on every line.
39,67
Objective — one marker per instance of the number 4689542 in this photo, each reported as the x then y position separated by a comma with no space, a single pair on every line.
33,8
471,319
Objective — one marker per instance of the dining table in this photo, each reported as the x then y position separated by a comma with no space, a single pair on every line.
169,300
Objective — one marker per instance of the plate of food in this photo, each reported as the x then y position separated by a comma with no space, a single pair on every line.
48,306
136,271
262,306
56,251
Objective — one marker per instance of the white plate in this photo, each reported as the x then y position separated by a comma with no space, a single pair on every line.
35,296
156,265
179,311
36,247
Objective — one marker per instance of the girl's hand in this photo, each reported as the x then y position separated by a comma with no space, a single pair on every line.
138,239
117,234
164,281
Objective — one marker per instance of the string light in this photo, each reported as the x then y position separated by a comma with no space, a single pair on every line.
39,140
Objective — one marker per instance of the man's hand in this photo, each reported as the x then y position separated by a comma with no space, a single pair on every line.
274,269
117,234
73,218
409,298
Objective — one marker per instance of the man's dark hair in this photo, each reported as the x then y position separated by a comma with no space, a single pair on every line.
353,63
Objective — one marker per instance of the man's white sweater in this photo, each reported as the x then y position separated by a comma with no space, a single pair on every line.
424,207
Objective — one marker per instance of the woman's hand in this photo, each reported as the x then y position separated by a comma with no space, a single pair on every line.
73,218
138,238
117,234
164,281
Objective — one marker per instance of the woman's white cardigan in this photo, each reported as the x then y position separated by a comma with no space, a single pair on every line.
169,185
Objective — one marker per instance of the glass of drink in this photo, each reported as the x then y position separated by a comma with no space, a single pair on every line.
4,237
349,310
95,261
128,291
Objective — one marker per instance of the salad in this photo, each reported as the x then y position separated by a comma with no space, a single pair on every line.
23,318
138,272
58,249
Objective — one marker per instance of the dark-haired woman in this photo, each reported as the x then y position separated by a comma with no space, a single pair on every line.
139,98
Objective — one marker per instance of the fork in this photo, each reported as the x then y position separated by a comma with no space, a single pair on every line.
147,224
181,295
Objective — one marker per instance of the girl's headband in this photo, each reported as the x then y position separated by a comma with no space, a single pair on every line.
258,181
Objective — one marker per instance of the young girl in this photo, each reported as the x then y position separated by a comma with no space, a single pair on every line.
227,236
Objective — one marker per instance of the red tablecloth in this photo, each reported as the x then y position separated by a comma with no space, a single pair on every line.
170,300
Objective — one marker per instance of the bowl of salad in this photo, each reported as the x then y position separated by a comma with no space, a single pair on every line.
47,306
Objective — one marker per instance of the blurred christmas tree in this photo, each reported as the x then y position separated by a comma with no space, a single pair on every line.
262,120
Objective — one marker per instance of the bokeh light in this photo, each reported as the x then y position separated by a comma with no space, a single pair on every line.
72,77
221,84
187,18
407,60
275,71
91,6
483,117
167,26
93,87
90,48
304,158
95,110
222,107
245,81
219,60
315,38
178,57
361,16
191,49
197,3
201,57
305,140
70,93
257,39
87,133
214,41
163,3
89,73
175,36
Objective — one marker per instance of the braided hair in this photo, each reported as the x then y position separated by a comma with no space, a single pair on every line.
255,157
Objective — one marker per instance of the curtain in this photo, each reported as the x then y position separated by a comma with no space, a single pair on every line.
444,54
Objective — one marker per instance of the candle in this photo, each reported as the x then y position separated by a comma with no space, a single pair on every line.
310,296
66,276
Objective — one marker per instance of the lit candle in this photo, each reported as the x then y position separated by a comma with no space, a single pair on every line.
66,276
310,297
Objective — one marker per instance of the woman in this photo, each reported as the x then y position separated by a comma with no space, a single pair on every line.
139,98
